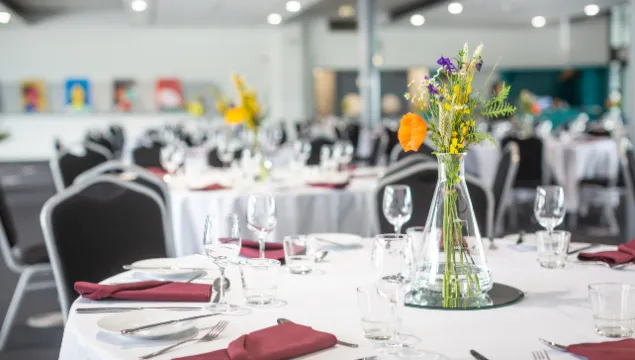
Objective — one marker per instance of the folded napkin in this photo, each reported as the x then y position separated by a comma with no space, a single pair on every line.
157,171
625,253
251,249
280,342
330,185
146,291
210,187
610,350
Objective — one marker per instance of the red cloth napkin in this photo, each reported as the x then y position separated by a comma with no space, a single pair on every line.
210,187
280,342
146,291
625,253
251,249
611,350
337,186
157,171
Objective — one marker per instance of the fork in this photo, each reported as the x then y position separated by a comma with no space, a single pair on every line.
212,334
541,355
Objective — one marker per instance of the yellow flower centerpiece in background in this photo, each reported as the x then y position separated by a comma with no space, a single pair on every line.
452,268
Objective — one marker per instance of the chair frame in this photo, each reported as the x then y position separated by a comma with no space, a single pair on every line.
49,238
435,166
54,163
506,199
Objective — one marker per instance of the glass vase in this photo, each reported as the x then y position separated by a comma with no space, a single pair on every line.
452,268
263,168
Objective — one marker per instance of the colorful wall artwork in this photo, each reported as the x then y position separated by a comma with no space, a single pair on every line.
169,95
33,95
77,94
125,95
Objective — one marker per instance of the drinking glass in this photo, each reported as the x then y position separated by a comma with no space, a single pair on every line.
393,268
416,236
553,248
261,217
221,243
260,281
325,158
380,313
613,307
549,206
397,205
172,158
226,153
299,253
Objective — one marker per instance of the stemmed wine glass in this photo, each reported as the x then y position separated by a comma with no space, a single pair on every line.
549,207
221,243
172,158
261,217
397,205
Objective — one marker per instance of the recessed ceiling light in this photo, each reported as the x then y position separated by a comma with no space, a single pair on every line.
5,17
346,11
591,10
538,21
455,8
274,19
417,20
139,5
293,6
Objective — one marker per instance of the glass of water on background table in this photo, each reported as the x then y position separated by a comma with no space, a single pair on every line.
613,307
552,248
549,206
299,253
260,282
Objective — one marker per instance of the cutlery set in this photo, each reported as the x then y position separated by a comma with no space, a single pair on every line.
537,355
212,334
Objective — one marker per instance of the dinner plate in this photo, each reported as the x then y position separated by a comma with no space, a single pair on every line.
114,323
163,268
348,241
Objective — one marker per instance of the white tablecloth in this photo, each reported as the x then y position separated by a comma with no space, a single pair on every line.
300,210
555,308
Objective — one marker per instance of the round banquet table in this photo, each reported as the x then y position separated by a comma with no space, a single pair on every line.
300,210
555,308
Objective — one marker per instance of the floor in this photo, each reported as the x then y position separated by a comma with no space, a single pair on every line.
43,344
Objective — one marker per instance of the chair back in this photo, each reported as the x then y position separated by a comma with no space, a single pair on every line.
8,234
213,159
406,162
531,168
95,227
397,152
504,180
316,148
148,156
380,148
66,166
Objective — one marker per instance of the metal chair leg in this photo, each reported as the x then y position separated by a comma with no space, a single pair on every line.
14,306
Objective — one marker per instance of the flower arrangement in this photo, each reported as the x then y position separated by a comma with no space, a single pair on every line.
528,104
247,109
450,120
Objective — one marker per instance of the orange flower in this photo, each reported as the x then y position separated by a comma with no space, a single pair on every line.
412,131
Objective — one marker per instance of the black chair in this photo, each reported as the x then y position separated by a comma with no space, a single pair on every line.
531,170
397,152
66,166
406,162
94,228
148,156
380,148
27,262
118,139
316,148
503,182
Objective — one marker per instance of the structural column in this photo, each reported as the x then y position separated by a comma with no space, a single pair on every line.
369,79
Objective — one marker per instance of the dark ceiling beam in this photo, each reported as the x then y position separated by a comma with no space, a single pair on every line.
15,7
400,11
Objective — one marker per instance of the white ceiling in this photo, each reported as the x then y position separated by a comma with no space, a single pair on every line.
254,12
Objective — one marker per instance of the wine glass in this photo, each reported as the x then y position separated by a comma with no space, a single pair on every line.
393,269
172,158
221,243
261,217
226,153
549,207
397,205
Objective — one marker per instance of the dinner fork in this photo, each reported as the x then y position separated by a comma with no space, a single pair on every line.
541,355
212,334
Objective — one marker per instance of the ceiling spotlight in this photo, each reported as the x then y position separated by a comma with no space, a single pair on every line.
5,17
139,5
591,10
417,20
455,8
274,19
346,11
538,21
293,6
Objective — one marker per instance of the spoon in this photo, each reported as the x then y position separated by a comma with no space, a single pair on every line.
320,255
216,286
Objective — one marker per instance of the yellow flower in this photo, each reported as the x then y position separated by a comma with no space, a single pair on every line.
467,111
454,133
447,106
460,146
453,150
464,130
236,115
454,141
469,88
456,89
458,180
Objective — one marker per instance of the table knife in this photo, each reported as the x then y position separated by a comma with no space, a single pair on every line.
582,249
339,342
115,309
477,356
553,345
134,267
139,328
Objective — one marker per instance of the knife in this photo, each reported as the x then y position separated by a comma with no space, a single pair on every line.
114,309
339,342
135,267
139,328
554,346
477,356
582,249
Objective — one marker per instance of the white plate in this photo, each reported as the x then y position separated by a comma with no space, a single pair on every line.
164,273
116,322
343,240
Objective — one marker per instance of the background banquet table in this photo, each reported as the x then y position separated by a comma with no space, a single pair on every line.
300,209
555,308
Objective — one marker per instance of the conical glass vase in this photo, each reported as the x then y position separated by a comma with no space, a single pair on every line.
452,269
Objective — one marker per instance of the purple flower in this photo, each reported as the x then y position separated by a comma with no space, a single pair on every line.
479,65
432,90
446,63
